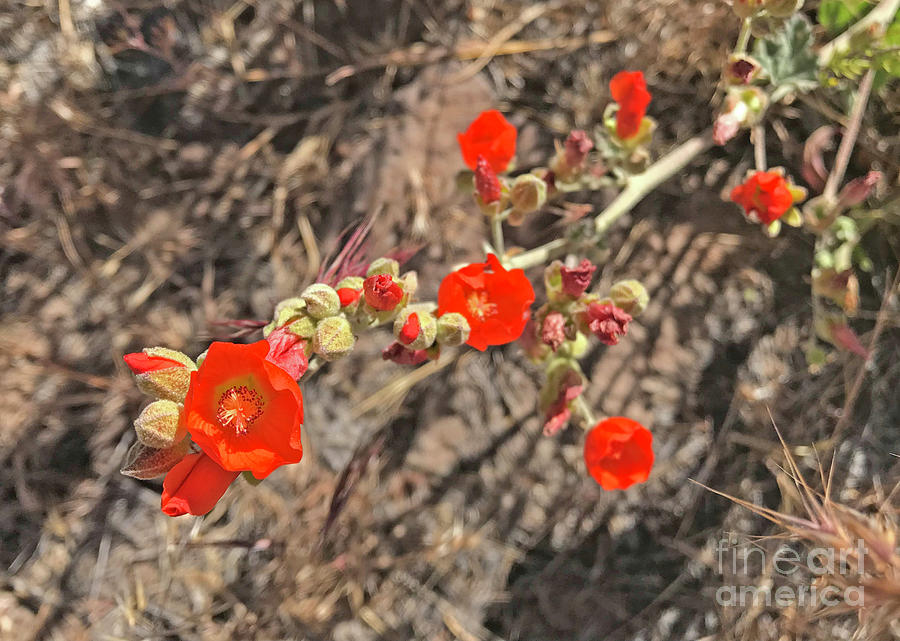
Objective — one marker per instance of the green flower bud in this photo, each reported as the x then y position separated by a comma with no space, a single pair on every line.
427,328
528,193
333,338
165,382
144,462
384,266
288,309
321,300
304,327
452,329
160,424
630,296
783,8
409,282
352,282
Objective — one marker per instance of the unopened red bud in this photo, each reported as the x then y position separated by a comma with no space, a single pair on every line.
409,329
576,280
382,293
487,185
858,189
578,145
348,296
161,372
553,330
416,327
160,424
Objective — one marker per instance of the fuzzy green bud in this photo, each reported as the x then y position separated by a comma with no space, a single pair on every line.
630,296
351,282
160,424
304,327
528,193
333,338
387,266
452,329
144,462
321,300
410,283
162,372
426,325
288,309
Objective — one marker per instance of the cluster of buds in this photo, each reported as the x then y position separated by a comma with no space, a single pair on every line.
559,334
162,441
324,320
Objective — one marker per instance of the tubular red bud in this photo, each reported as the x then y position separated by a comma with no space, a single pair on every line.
487,185
553,330
382,293
578,145
576,280
410,330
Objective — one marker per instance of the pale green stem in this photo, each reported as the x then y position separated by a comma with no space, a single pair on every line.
759,146
743,37
497,233
638,186
845,150
588,419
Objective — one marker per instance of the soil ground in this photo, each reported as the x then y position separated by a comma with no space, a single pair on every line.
166,166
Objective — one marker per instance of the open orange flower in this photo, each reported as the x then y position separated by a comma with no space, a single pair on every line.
629,89
243,411
490,135
495,301
194,485
765,197
618,453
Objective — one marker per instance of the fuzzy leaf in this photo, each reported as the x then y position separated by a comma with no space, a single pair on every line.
787,56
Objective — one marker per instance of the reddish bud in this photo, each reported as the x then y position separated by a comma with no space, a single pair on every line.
286,350
348,295
578,144
141,363
382,293
553,330
575,281
410,330
607,322
557,415
629,89
397,353
486,182
857,190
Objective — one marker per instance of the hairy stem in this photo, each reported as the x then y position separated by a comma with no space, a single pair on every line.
743,37
638,186
759,146
836,177
497,233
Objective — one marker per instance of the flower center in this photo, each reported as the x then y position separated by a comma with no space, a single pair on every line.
479,305
239,407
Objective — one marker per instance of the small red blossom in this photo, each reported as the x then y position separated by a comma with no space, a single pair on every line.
765,197
495,301
382,293
410,330
578,144
618,453
487,185
396,353
553,330
286,351
576,280
492,136
194,485
348,295
141,363
629,89
607,322
243,411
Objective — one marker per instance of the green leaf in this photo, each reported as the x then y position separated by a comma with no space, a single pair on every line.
787,56
837,15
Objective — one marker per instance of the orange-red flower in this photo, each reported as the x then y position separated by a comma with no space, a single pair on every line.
618,453
765,197
194,485
490,135
629,89
243,411
495,301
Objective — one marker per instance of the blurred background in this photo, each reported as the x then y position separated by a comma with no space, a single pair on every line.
168,164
